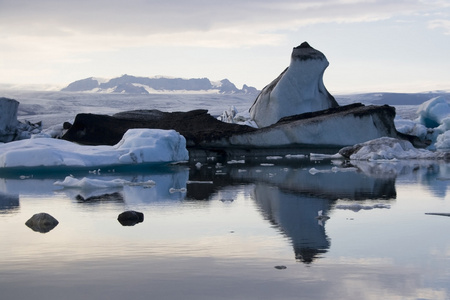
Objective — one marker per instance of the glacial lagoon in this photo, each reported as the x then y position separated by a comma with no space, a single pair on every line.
242,227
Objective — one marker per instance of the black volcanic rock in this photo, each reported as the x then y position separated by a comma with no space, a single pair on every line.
42,222
130,218
202,130
196,126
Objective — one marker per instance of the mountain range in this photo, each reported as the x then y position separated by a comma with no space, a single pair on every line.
144,85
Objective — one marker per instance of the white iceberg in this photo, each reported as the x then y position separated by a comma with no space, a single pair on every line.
388,149
297,90
93,183
434,114
137,146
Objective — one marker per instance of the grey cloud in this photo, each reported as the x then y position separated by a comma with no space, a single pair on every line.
140,17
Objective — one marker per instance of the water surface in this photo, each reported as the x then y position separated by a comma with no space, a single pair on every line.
236,228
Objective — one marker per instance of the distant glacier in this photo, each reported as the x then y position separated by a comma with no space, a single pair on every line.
145,85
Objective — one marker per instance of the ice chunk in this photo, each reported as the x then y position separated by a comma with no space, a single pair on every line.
137,146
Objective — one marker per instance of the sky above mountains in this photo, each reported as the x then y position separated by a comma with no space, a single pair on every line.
372,46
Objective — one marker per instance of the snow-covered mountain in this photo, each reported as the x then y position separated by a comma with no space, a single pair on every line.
144,85
391,98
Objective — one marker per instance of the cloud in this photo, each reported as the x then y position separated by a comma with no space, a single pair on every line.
142,18
442,24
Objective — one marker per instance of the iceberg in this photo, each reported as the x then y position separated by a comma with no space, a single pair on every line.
136,146
435,115
10,128
387,148
298,89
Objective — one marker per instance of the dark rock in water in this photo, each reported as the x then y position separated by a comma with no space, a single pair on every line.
130,218
42,222
196,126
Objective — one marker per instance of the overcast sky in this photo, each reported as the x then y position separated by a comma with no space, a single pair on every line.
385,45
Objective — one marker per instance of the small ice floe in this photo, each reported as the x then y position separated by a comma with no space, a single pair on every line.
321,217
233,161
202,182
332,170
266,165
357,207
144,184
319,156
89,183
242,170
274,157
198,165
95,171
295,156
174,190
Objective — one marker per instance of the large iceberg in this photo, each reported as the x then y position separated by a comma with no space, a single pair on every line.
136,146
298,89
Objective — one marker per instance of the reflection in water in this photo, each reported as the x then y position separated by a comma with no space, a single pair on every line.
115,197
185,245
295,215
9,203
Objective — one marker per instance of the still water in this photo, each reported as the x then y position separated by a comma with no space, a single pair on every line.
240,228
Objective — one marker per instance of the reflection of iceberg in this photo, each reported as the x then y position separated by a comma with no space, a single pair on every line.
295,215
432,174
8,203
115,197
331,185
136,188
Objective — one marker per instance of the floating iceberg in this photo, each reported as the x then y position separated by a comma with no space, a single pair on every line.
435,114
299,89
137,146
387,148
